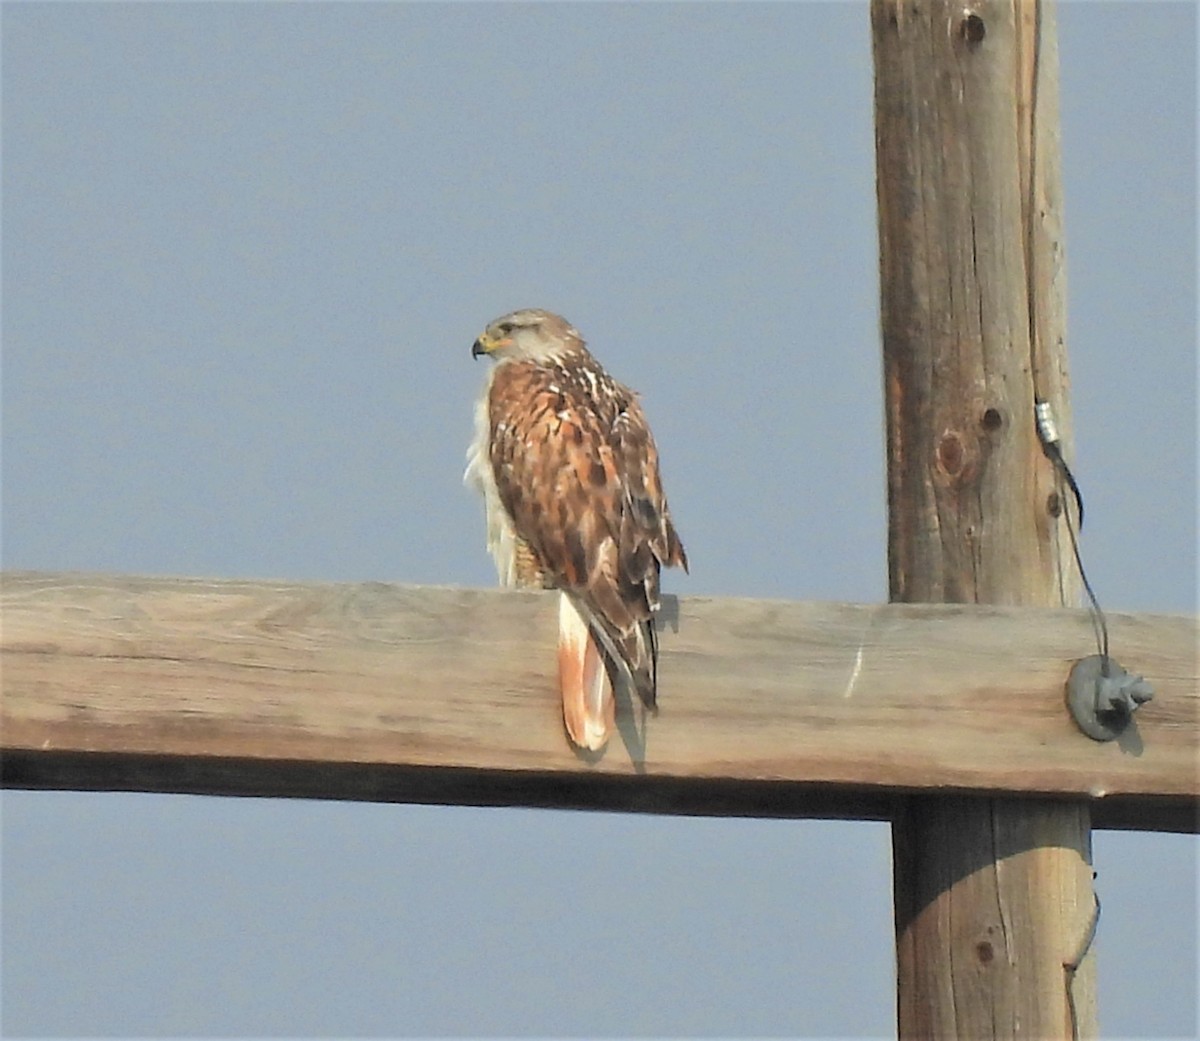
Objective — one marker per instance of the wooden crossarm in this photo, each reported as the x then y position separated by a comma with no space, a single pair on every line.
426,694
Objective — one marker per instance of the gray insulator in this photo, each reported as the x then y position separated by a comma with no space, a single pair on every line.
1103,700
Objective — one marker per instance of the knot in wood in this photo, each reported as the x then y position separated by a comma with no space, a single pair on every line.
950,453
957,456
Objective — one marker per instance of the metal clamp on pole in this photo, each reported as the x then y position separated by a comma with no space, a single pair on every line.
1103,697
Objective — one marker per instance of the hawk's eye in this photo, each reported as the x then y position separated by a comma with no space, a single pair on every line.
504,328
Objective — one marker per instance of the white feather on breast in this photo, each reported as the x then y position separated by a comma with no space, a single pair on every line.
501,539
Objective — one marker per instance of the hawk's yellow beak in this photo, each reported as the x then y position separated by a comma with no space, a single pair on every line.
485,345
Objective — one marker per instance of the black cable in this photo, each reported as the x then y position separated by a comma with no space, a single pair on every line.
1052,445
1070,968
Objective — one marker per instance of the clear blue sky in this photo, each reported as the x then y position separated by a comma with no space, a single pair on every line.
246,249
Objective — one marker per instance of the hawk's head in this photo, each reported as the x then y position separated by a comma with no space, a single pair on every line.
531,334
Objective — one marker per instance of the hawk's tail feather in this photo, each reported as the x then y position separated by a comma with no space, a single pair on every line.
632,651
589,708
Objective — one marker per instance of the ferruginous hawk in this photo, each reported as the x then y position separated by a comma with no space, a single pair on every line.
569,475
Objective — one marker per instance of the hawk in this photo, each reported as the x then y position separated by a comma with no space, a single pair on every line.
568,470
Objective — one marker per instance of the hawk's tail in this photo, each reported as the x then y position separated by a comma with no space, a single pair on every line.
589,708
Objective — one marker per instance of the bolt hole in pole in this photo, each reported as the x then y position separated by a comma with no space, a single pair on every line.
972,28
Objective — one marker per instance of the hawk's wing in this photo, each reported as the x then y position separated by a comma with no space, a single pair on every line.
576,469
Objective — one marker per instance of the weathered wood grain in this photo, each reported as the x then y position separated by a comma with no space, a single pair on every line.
447,695
993,896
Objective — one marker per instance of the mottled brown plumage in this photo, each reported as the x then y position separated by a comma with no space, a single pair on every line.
569,472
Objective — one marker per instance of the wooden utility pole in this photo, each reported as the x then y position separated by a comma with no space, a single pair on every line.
993,896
